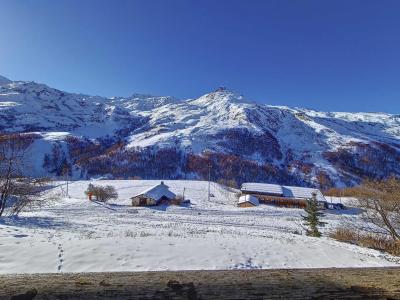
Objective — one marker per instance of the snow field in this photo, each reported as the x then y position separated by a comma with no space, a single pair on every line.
72,234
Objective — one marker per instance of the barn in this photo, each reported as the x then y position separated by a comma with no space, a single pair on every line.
158,194
248,201
281,195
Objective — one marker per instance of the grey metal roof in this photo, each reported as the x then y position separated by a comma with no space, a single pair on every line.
265,188
301,192
248,198
285,191
157,192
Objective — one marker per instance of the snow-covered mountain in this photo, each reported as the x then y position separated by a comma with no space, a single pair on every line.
314,147
4,80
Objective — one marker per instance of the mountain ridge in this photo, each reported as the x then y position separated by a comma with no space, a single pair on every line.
4,80
301,143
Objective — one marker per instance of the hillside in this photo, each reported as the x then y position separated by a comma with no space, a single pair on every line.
153,137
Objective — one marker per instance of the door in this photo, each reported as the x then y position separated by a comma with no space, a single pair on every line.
142,202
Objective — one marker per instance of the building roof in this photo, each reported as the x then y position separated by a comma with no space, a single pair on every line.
248,198
157,192
264,188
282,190
302,192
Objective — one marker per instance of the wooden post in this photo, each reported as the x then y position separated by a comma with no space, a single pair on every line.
209,181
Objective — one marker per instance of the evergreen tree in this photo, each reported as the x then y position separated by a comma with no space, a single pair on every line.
312,219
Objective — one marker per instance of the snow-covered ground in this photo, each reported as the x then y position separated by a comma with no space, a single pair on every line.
72,234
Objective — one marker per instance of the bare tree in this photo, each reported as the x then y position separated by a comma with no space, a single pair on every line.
101,193
381,202
27,193
15,189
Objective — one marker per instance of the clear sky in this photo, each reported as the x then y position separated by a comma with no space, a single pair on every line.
326,55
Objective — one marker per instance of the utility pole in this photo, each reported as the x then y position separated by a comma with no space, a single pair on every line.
209,180
67,181
65,171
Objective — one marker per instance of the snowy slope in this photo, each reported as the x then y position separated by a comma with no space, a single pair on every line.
221,122
4,81
29,106
72,234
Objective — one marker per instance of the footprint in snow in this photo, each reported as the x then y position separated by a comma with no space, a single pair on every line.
60,257
20,235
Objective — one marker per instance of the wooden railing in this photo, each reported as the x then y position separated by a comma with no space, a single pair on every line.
366,283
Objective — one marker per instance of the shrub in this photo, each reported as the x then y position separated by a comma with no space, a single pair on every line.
344,235
101,193
178,200
367,240
345,192
228,182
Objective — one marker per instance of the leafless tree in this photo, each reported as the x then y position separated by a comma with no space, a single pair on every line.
102,193
16,191
381,202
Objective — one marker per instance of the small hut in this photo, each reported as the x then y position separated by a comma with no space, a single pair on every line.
248,201
155,195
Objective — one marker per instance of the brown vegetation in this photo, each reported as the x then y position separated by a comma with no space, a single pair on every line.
380,201
229,183
178,200
368,240
102,193
352,192
107,156
372,160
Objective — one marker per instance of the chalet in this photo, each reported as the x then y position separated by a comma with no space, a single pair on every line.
248,201
158,194
281,195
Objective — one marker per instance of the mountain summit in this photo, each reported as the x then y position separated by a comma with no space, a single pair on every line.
222,96
156,136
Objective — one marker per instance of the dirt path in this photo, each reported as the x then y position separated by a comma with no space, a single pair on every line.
367,283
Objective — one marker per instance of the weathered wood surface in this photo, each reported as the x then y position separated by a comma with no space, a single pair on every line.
369,283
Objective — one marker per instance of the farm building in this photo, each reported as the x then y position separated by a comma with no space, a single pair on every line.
281,195
155,195
248,201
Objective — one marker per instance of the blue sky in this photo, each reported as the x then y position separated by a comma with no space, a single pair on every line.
326,55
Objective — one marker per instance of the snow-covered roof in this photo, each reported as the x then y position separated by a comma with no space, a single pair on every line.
265,188
285,191
302,192
157,192
248,198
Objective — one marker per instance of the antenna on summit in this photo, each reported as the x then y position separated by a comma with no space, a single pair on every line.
221,89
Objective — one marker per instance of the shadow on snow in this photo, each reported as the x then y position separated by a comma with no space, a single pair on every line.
34,222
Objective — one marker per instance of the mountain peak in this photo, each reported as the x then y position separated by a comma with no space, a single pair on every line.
4,80
222,95
222,89
225,90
